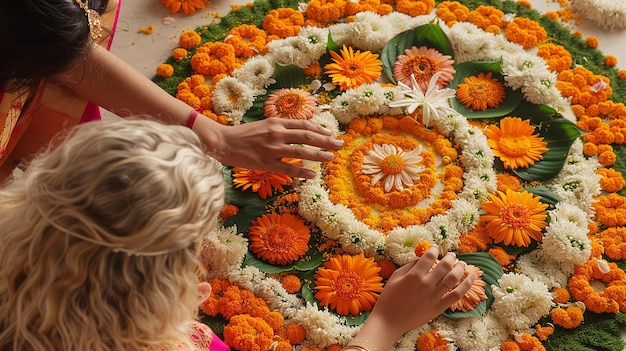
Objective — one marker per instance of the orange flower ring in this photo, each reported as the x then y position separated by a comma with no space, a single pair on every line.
600,292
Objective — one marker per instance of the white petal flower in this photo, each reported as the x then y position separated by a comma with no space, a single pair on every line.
395,167
520,301
434,101
257,71
231,89
401,243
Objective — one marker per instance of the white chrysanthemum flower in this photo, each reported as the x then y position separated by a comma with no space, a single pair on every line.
288,51
519,67
576,188
323,328
607,13
569,212
393,166
224,247
401,243
257,71
541,88
232,96
520,301
247,277
475,334
537,265
469,42
359,237
313,199
445,232
465,213
368,98
313,40
477,155
450,123
370,31
326,120
475,189
403,22
434,102
566,242
343,108
340,33
332,221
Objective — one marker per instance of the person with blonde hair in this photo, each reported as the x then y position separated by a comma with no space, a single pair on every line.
100,248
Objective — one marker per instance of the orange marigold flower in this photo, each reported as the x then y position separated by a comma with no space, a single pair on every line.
333,347
610,61
421,248
514,142
611,299
291,283
348,284
486,16
432,341
290,103
614,241
248,40
561,295
228,211
189,39
279,239
214,58
568,318
244,332
188,6
353,68
480,92
189,98
621,74
612,181
165,70
503,258
525,32
525,3
556,56
387,267
607,158
325,11
542,333
508,181
515,218
295,333
415,8
592,42
590,149
452,12
283,22
179,54
261,182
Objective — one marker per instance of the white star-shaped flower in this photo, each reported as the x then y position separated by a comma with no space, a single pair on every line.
434,101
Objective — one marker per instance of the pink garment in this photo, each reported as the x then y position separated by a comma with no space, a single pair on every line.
217,344
92,111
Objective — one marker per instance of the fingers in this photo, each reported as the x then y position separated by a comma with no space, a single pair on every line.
304,132
457,293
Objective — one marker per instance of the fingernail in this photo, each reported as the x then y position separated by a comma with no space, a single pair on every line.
308,174
451,254
328,155
338,143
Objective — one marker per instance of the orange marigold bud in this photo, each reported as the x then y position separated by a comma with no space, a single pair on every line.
295,333
189,39
291,283
165,70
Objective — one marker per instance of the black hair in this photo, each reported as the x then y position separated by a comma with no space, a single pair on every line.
40,38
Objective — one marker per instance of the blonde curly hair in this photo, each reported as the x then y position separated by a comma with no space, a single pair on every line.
100,239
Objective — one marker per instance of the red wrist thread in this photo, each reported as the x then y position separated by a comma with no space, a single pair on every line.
192,118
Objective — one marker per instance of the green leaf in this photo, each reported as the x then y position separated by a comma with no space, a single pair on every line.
256,112
331,45
599,332
547,196
491,273
288,76
558,132
430,35
512,98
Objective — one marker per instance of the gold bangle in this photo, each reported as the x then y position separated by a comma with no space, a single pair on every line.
354,347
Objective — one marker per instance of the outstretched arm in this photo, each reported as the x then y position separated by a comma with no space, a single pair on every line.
111,83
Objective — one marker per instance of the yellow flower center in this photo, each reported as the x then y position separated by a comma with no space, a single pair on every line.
392,164
513,145
289,104
515,215
347,285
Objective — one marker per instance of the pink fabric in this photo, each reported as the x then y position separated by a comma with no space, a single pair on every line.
217,344
92,111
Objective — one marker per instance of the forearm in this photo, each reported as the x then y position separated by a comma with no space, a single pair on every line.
114,85
375,335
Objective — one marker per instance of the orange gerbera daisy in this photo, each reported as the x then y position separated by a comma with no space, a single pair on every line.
188,6
290,103
261,182
279,239
348,284
514,142
476,293
515,217
423,63
480,92
353,68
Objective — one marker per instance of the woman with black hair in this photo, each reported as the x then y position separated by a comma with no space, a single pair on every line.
51,66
